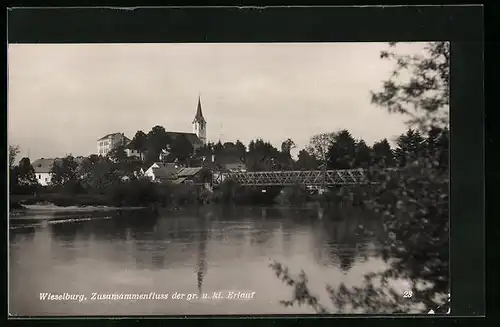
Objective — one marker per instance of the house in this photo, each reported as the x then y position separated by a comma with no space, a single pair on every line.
171,172
133,153
161,171
163,155
229,163
232,163
220,164
109,142
43,168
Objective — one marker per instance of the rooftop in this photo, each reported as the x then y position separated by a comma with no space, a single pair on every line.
43,165
110,135
192,137
187,172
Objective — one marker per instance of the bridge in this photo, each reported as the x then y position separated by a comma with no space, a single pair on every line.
314,178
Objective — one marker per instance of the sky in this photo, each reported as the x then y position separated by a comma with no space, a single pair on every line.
63,97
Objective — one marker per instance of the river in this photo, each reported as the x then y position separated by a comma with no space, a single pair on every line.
205,251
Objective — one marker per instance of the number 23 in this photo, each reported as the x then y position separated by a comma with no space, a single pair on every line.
407,294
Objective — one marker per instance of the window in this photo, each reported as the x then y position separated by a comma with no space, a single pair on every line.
39,176
45,178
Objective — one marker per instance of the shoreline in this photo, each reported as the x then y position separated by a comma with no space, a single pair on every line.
50,207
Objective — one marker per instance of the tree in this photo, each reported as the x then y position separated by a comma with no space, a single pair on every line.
26,174
22,178
241,149
13,152
287,146
118,154
382,154
342,151
181,149
64,170
441,150
205,151
103,174
262,156
410,148
412,202
319,145
306,161
437,145
362,157
139,142
205,176
157,140
424,96
218,148
230,149
85,167
285,160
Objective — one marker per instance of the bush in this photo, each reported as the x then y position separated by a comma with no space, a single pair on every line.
136,192
295,195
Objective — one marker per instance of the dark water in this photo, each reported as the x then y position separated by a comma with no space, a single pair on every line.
210,250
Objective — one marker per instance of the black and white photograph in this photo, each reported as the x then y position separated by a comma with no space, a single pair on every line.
228,178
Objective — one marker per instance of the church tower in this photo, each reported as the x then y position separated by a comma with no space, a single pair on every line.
200,124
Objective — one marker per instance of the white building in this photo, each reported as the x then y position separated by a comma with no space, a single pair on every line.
42,168
111,141
133,153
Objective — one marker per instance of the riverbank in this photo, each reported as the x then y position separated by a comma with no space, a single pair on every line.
58,199
54,202
51,208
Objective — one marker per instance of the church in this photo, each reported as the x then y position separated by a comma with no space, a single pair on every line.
198,137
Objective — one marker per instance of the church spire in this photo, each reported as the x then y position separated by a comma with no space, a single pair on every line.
199,115
199,123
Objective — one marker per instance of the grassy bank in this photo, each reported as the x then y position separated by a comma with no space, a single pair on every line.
135,193
141,192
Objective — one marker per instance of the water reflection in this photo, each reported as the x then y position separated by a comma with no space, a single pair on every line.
342,240
21,234
224,247
202,245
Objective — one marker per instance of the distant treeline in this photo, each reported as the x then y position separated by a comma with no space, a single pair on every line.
115,180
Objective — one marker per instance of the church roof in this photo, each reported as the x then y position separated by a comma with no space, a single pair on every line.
199,115
192,137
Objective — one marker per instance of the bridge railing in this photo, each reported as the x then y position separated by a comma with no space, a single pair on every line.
294,177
